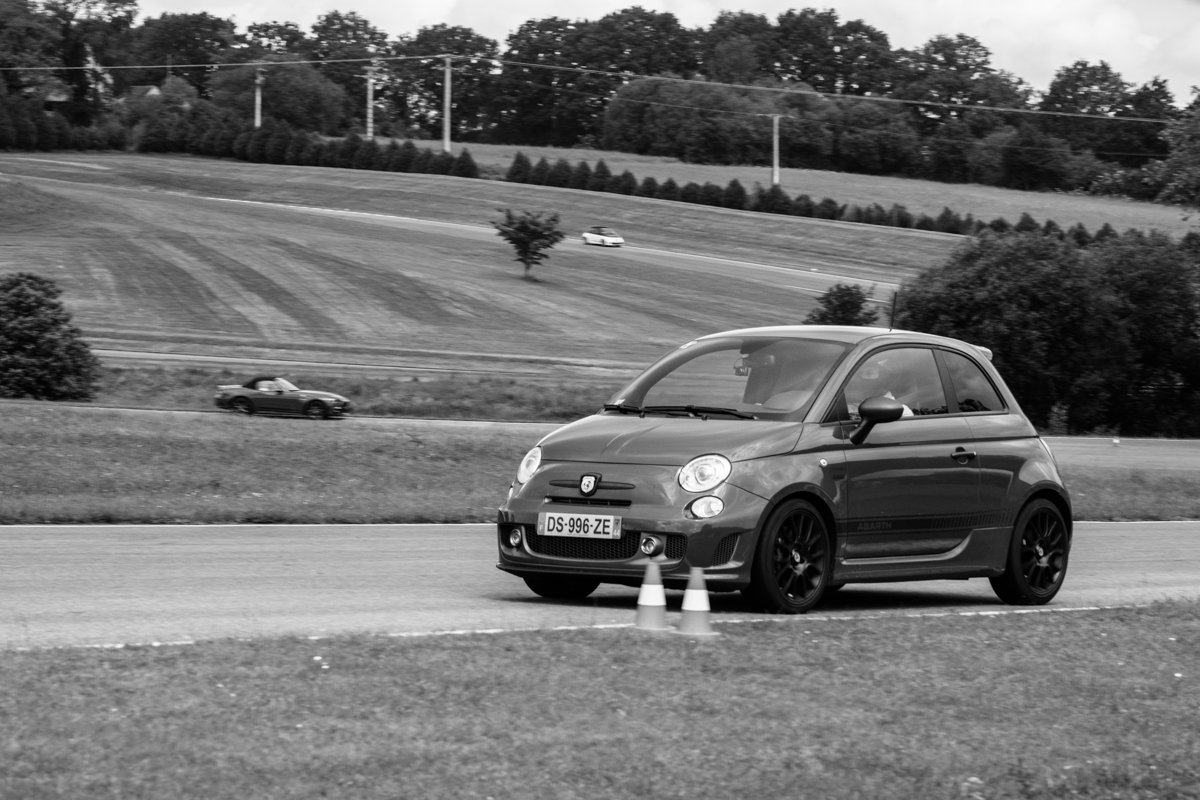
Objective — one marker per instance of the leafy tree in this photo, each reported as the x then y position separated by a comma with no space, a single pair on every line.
843,304
956,70
1051,228
518,171
294,93
364,156
845,58
948,222
464,166
278,144
691,193
1104,232
42,355
738,47
1182,168
337,36
1078,234
415,89
925,223
531,234
384,155
195,38
1000,225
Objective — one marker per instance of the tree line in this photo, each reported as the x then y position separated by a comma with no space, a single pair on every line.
736,59
1104,338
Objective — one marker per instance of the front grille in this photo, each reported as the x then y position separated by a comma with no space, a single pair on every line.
587,549
676,545
724,552
621,549
588,501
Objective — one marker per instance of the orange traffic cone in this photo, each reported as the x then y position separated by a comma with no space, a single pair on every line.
652,601
695,607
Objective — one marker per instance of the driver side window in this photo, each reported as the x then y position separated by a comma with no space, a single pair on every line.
906,374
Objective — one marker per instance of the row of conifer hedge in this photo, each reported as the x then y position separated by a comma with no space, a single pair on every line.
775,200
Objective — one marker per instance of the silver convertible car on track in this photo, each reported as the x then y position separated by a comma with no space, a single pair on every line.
268,394
789,461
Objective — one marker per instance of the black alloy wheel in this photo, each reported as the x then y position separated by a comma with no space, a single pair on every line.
241,405
793,564
559,588
1037,556
315,409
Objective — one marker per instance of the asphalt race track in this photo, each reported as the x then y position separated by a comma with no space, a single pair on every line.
103,585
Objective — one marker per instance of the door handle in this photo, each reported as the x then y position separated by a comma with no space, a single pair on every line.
962,454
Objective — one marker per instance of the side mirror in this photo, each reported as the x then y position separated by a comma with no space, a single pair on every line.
873,411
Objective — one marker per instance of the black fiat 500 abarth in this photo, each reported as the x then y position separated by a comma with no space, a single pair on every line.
789,461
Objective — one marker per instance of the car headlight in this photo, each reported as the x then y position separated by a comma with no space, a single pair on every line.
704,473
529,464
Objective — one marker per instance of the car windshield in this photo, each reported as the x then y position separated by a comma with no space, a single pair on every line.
607,232
768,377
287,385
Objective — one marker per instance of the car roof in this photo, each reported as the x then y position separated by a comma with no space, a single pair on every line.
250,383
846,334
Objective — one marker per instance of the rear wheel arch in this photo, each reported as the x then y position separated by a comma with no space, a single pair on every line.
1055,497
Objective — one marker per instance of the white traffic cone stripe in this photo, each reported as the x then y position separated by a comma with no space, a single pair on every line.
652,594
695,600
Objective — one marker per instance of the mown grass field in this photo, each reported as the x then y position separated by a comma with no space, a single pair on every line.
1084,704
146,263
920,196
81,465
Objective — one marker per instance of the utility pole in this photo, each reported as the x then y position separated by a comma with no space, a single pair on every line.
370,76
446,105
259,79
775,149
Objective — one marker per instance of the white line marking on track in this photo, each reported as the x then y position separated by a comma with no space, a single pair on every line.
614,625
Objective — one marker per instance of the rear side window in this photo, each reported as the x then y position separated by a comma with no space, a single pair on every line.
973,391
907,374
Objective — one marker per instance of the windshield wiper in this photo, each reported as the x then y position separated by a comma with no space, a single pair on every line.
624,408
702,411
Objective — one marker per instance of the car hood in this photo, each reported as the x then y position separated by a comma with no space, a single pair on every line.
667,441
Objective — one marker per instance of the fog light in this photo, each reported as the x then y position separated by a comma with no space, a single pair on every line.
651,545
707,507
514,537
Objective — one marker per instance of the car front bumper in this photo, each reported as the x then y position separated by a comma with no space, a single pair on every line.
722,545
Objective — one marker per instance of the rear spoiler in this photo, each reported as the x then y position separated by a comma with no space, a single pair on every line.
986,351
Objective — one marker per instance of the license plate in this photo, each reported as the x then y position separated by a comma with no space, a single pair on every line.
585,526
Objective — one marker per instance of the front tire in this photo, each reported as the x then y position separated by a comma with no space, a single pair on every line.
1037,557
558,588
315,409
793,563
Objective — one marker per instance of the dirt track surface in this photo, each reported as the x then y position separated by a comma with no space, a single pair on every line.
68,585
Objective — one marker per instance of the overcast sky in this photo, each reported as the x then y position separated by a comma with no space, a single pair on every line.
1031,38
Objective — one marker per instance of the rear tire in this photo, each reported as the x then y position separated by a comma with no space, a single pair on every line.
240,405
1037,557
558,588
793,563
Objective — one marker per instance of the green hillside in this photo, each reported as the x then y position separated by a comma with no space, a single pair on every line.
149,261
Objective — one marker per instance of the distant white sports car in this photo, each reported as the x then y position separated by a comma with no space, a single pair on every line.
605,237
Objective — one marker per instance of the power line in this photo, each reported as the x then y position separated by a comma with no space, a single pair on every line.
624,76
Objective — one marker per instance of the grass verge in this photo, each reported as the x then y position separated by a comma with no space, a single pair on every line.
1089,705
68,465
